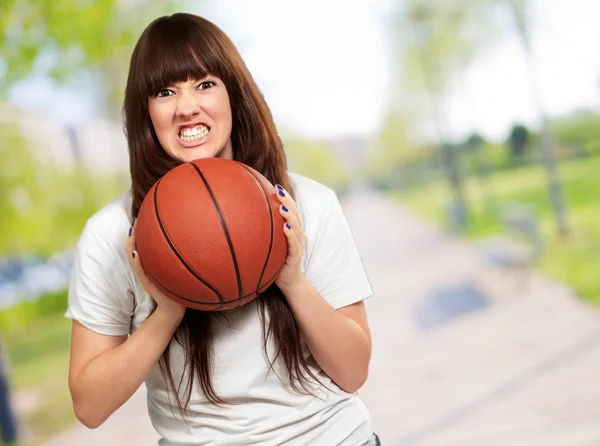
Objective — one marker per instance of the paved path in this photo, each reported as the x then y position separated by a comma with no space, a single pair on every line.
520,369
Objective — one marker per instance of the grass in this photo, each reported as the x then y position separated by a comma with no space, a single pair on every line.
575,259
38,350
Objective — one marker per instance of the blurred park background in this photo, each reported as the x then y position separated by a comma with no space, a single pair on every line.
478,117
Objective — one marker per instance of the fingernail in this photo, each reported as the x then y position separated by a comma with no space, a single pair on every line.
130,229
133,221
281,193
133,255
279,187
288,226
284,208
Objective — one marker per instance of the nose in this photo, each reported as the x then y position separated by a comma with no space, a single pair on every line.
187,105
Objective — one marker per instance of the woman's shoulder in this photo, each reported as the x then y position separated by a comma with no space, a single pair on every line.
310,193
112,221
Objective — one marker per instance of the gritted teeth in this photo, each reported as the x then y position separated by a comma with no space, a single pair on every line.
193,133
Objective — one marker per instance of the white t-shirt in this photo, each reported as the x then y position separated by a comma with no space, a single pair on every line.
106,297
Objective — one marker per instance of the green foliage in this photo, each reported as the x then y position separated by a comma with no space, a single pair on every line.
518,140
577,129
96,36
393,146
489,156
317,161
37,337
38,353
16,320
43,208
474,141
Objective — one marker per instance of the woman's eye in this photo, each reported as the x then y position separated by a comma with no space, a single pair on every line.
163,93
206,84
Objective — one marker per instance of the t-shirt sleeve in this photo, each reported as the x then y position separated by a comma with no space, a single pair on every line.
100,297
333,265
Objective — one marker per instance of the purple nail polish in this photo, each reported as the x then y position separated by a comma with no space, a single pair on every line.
133,221
130,229
133,255
288,226
281,193
279,187
284,208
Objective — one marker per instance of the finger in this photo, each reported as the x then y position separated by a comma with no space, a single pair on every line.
286,199
130,242
136,263
293,248
290,216
134,257
292,220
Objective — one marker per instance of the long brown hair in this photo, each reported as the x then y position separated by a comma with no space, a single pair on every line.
174,49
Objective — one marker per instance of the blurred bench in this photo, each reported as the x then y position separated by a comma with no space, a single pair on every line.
520,244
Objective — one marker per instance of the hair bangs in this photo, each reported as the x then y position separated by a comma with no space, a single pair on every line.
176,52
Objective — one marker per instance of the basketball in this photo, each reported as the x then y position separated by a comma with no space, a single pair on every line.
209,234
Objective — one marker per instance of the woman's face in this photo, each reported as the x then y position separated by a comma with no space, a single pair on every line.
192,119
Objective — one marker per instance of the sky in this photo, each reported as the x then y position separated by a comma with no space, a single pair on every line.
326,69
323,66
566,44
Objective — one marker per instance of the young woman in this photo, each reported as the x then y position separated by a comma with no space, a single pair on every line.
283,369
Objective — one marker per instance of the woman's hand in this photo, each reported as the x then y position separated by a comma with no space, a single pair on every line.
291,273
164,303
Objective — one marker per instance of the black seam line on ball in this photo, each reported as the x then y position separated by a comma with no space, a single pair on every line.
262,188
220,214
219,305
183,262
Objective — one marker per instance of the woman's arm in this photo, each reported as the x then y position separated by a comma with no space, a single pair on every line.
339,340
105,371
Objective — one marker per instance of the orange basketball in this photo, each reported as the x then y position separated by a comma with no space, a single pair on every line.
210,235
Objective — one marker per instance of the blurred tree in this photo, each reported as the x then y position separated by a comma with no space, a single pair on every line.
448,34
396,161
17,183
393,146
436,38
44,210
62,38
316,160
519,11
518,140
475,141
475,144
